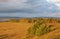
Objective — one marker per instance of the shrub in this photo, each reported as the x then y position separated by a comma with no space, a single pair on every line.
39,29
15,20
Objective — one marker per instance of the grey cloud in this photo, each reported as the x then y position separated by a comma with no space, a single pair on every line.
28,8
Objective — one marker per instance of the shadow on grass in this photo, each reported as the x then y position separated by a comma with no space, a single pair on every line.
5,36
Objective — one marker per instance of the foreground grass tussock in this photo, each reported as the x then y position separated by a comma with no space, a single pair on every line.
39,29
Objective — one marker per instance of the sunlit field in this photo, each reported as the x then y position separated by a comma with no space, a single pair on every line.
30,28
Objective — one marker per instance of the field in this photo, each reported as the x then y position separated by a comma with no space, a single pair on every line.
30,28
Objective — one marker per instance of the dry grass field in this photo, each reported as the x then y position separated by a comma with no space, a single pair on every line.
30,28
18,30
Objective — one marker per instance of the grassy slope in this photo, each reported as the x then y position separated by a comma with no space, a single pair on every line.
14,28
18,30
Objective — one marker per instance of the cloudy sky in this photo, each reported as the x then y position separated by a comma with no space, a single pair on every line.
29,8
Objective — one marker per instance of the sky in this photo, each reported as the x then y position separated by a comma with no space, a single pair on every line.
29,8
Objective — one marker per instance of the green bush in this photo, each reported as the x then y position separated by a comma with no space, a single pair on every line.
39,29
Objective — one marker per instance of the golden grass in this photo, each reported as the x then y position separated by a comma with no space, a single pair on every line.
14,28
17,30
